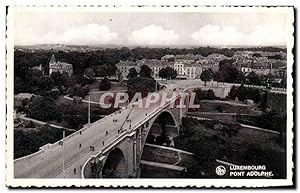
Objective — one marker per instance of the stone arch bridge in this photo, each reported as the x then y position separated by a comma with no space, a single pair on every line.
110,147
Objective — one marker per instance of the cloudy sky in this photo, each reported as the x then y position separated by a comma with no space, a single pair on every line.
146,29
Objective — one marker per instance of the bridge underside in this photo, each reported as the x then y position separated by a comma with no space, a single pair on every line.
163,130
114,166
124,160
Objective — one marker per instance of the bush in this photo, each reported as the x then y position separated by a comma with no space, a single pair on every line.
104,84
44,109
78,90
233,92
28,142
205,95
243,93
142,85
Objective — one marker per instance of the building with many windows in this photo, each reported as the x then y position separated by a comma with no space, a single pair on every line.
124,66
185,68
57,66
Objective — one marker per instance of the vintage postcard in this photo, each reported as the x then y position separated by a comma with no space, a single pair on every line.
149,96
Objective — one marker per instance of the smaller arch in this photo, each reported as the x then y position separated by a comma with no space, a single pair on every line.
114,166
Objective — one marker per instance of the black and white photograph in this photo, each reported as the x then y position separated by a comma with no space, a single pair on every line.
149,96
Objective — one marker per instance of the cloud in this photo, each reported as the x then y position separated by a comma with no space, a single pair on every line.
87,35
264,35
215,35
153,35
229,35
90,34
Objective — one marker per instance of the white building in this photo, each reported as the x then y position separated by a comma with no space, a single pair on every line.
57,66
246,69
124,66
188,69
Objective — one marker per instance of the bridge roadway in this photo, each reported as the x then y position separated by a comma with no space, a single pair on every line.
48,162
212,84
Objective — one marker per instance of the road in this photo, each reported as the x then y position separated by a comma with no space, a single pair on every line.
243,125
48,163
199,83
23,117
161,165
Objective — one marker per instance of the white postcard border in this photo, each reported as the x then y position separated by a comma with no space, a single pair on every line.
13,182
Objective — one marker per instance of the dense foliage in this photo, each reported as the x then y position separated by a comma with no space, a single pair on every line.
269,120
242,93
228,72
167,73
211,140
132,73
140,84
206,75
204,95
28,142
44,109
104,84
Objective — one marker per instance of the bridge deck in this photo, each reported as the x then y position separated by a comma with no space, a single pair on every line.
76,150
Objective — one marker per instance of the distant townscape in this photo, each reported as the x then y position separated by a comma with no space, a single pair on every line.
225,65
191,66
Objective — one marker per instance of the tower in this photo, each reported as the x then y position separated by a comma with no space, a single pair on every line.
52,60
52,63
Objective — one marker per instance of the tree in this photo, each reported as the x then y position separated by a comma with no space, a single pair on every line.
67,80
204,95
75,114
145,71
242,93
105,84
44,109
19,85
57,78
54,93
167,73
162,73
222,76
275,57
142,85
119,75
78,90
104,70
28,142
132,73
254,79
45,84
256,54
240,77
89,74
205,76
233,92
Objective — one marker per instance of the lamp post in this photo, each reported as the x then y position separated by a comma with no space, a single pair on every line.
89,111
63,144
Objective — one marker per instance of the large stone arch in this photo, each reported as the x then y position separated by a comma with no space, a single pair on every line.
114,165
169,119
165,124
149,126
